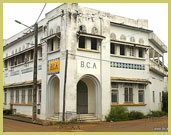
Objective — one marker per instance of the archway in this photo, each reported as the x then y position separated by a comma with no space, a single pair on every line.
82,98
89,96
53,95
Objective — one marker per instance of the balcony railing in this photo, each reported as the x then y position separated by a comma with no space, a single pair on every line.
157,68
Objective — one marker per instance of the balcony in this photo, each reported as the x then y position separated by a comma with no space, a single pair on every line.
157,68
155,40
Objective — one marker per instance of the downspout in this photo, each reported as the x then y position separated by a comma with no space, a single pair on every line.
100,98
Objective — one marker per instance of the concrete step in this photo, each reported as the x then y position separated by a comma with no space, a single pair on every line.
87,117
53,118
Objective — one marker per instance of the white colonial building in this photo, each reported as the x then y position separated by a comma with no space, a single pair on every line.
112,61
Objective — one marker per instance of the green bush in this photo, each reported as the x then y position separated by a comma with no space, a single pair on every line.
133,115
156,114
165,101
117,113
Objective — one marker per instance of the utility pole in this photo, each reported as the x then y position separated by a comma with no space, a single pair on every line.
66,65
34,106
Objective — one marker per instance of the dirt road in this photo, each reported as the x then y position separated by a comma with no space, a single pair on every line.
144,125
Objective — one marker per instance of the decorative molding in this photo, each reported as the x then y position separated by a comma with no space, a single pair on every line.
127,65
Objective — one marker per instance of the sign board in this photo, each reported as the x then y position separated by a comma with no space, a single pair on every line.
88,66
54,66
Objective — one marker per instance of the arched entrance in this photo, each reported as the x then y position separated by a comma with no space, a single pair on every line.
53,95
89,96
82,98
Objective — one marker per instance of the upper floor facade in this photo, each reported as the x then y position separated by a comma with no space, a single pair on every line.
86,33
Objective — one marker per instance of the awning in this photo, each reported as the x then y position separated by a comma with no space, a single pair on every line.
90,35
52,36
17,84
122,43
129,44
142,46
130,80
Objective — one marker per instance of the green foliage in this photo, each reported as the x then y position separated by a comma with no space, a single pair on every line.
165,101
117,113
156,114
133,115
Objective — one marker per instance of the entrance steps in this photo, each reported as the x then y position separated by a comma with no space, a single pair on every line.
87,118
53,118
80,117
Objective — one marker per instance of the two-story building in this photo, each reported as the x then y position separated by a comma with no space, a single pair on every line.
111,61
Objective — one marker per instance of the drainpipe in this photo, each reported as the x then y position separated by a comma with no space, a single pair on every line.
100,65
66,65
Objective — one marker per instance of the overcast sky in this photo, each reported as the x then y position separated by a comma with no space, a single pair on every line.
27,13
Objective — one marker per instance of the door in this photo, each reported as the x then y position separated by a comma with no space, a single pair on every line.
82,98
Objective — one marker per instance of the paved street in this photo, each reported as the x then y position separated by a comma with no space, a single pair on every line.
145,125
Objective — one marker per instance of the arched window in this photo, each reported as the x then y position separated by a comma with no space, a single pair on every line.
113,36
82,28
132,39
123,37
94,30
58,29
141,41
51,31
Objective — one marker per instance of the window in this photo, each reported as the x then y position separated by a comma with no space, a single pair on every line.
30,96
153,96
39,96
22,57
5,64
112,48
141,88
57,44
122,50
151,51
26,59
141,96
114,94
93,43
17,96
5,96
23,96
40,52
12,61
140,53
128,95
160,97
12,96
51,44
81,42
131,51
31,55
15,60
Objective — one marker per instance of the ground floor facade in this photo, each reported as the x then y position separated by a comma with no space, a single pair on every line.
85,95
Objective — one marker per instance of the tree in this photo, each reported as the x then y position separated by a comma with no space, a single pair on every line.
165,101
